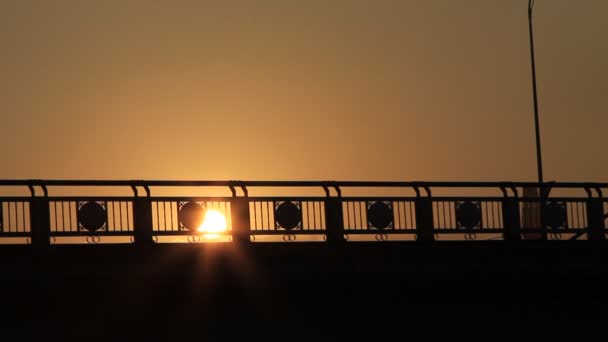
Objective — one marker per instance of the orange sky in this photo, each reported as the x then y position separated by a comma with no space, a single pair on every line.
357,90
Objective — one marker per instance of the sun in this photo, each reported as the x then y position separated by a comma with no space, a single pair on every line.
214,224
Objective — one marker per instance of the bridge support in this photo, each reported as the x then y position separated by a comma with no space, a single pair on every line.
595,214
511,220
241,226
142,221
334,220
424,220
40,222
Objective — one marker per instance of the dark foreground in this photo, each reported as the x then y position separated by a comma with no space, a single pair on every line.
301,291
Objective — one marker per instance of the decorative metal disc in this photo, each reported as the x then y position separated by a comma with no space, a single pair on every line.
191,215
379,215
554,215
468,215
288,215
92,216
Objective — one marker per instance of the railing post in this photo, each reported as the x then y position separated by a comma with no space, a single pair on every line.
424,220
241,226
595,214
40,222
510,219
334,221
142,221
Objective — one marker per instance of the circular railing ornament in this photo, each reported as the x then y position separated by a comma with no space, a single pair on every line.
554,215
468,215
92,216
191,215
379,215
288,215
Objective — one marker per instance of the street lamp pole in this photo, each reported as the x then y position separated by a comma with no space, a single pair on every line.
539,159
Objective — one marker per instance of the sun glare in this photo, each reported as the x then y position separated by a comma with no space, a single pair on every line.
213,225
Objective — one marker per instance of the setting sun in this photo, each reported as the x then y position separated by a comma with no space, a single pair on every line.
213,225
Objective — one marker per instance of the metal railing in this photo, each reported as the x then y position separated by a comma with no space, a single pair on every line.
42,219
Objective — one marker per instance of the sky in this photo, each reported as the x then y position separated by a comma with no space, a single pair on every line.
301,90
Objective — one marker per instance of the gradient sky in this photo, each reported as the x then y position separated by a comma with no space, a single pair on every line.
278,89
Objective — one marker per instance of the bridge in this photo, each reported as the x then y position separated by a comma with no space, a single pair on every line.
313,259
579,212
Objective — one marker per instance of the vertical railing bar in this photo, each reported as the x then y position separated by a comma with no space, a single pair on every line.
315,212
496,213
171,215
71,225
484,221
579,219
308,214
165,214
582,206
8,216
264,209
348,211
270,209
571,214
120,218
579,215
444,219
412,218
493,214
113,226
114,213
346,207
321,213
362,207
56,221
62,215
311,213
270,214
576,220
260,215
441,214
355,226
158,216
449,206
584,211
406,209
400,214
356,214
23,216
255,215
129,224
305,218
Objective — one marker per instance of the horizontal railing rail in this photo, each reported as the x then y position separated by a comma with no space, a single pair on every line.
513,213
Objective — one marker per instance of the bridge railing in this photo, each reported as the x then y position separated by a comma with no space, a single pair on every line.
42,219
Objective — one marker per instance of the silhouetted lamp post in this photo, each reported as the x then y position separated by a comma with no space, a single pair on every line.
532,212
539,159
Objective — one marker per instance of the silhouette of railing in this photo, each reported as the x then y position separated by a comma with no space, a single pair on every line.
141,218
